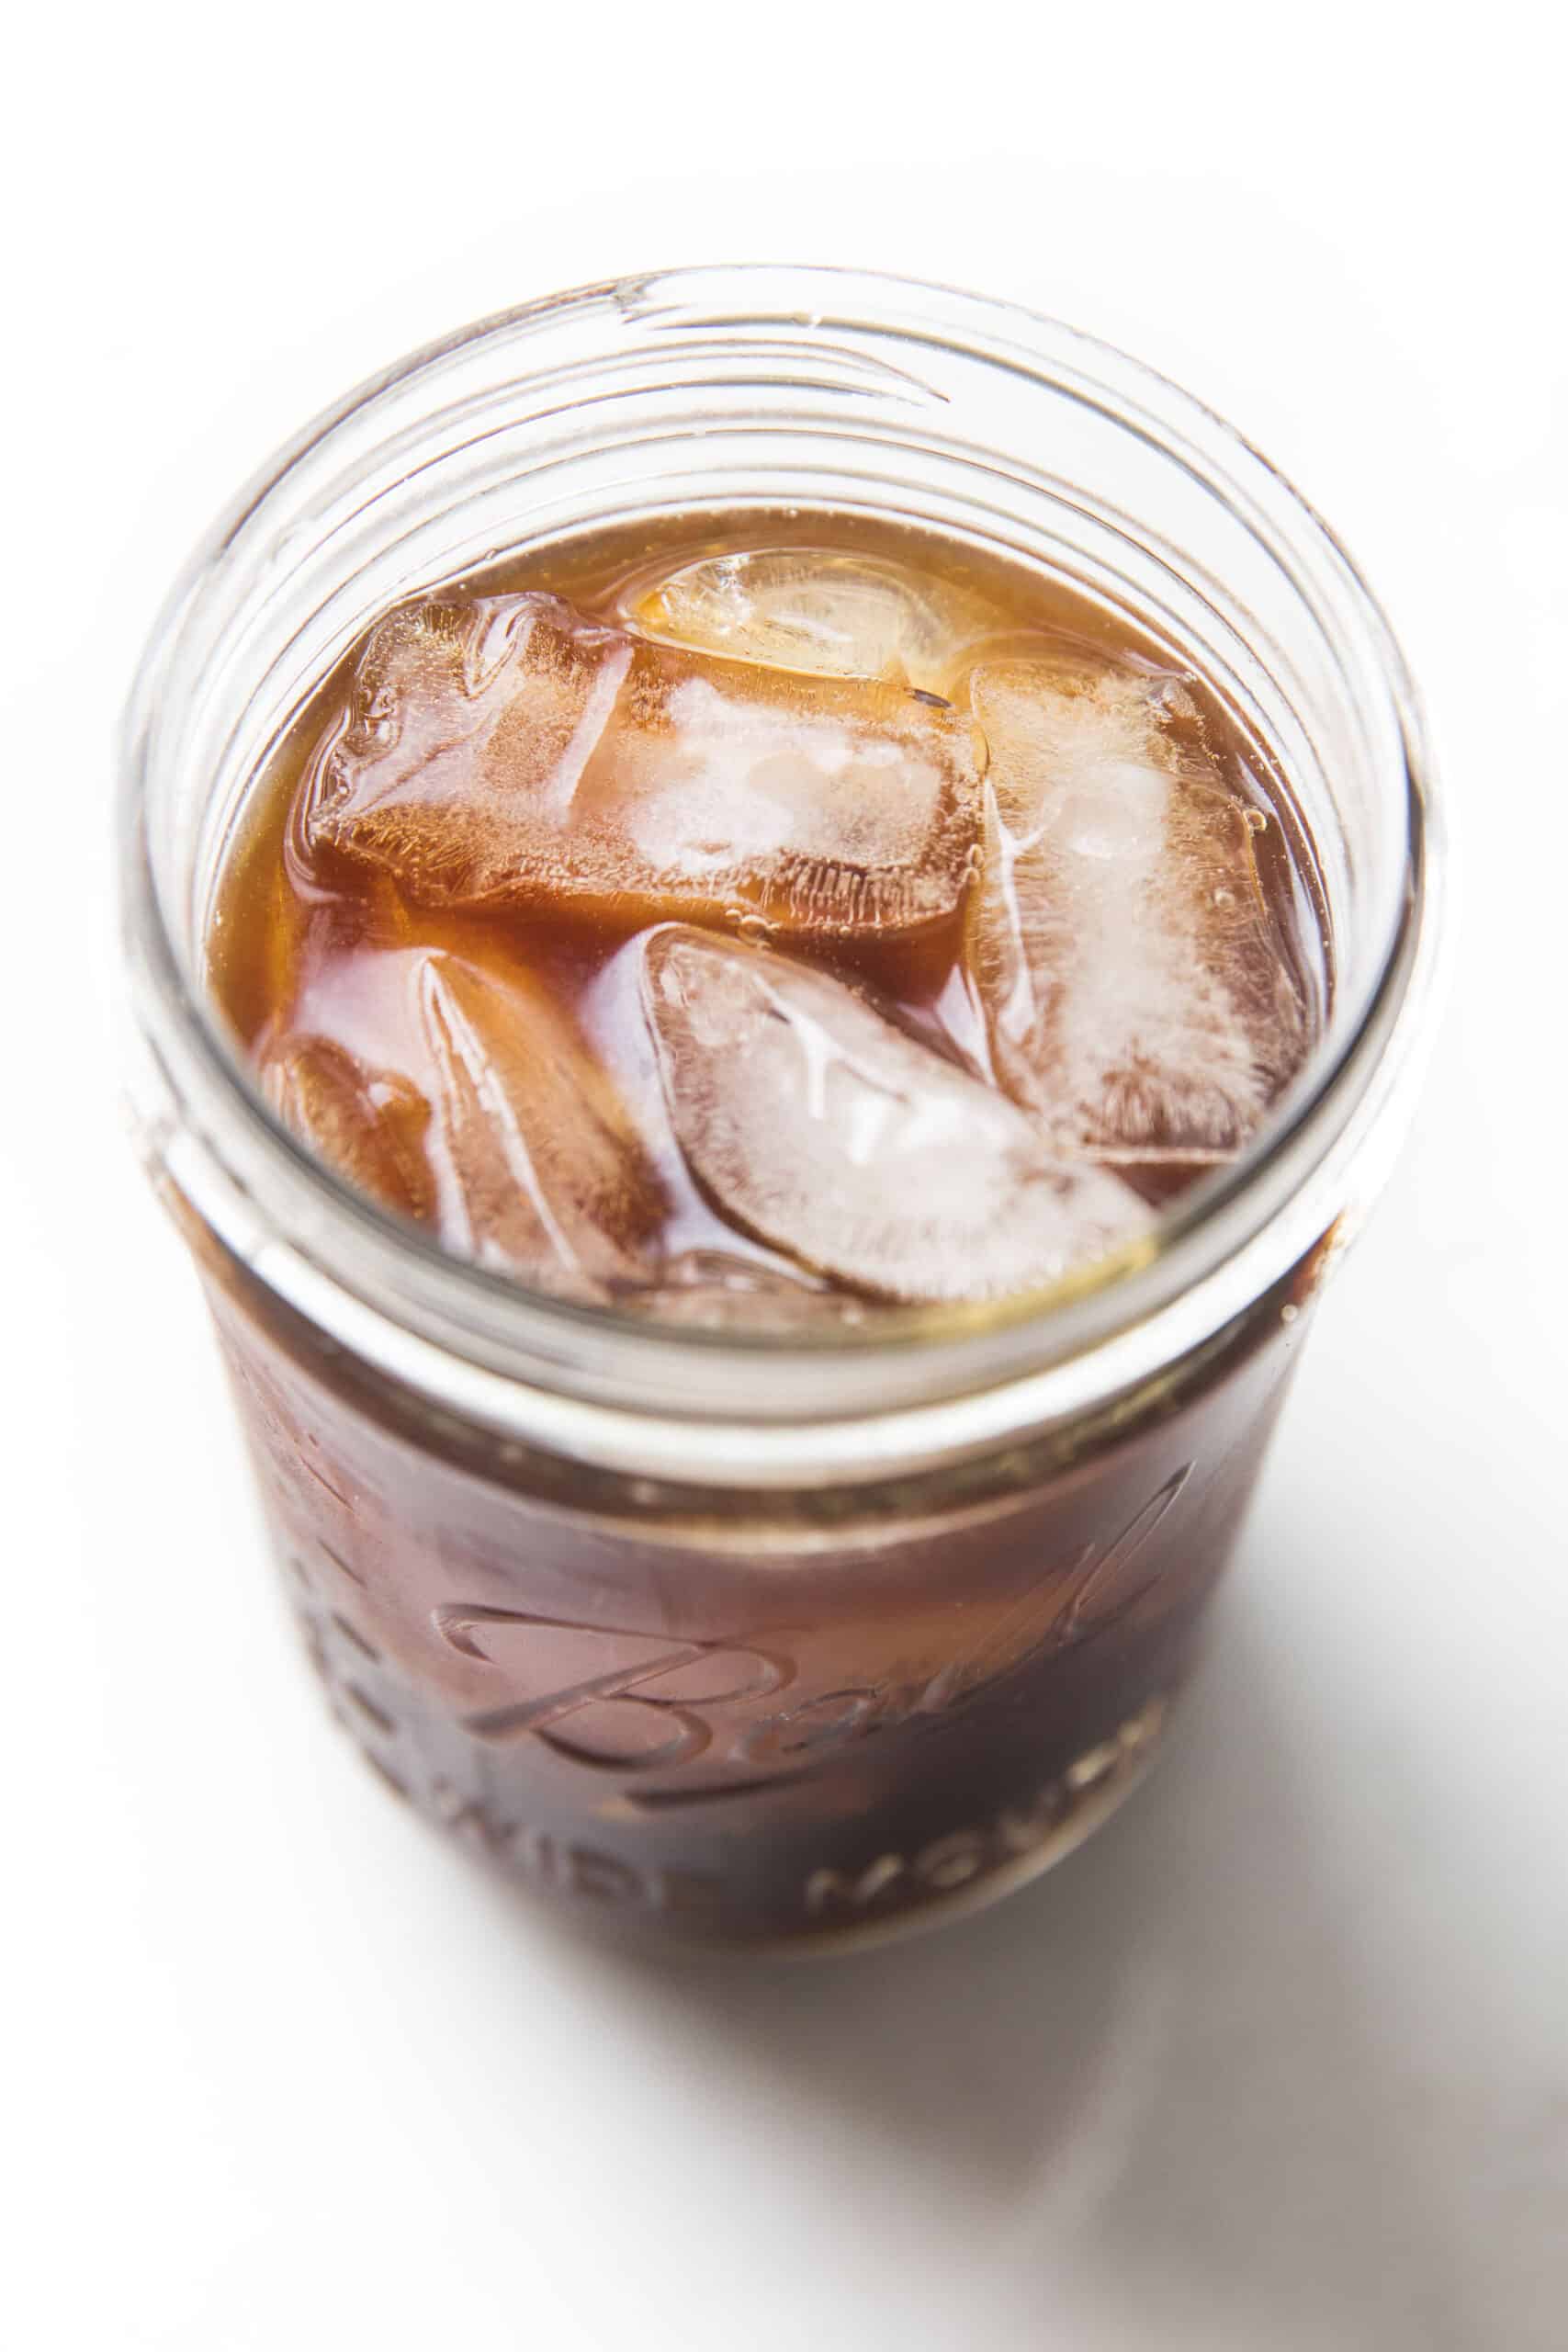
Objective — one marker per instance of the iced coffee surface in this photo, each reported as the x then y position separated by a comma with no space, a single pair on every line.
758,928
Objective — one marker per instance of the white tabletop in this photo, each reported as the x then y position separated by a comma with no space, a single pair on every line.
1281,2059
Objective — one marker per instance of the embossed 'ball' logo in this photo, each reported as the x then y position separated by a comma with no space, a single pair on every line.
619,1701
634,1703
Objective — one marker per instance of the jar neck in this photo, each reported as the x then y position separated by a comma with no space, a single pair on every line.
837,389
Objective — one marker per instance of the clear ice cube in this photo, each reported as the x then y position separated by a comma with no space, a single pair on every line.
503,749
539,1171
808,609
1136,992
368,1127
817,1124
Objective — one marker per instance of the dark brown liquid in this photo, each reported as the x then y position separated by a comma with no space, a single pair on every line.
712,1715
321,950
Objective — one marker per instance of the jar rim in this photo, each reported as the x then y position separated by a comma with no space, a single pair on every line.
757,1406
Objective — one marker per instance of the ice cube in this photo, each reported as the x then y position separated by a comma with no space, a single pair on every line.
809,609
719,1289
506,749
539,1170
369,1127
817,1124
1134,984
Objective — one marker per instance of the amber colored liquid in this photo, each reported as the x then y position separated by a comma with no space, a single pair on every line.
327,953
698,1713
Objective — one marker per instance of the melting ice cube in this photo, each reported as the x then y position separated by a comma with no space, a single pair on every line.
505,748
808,609
539,1170
816,1124
1136,990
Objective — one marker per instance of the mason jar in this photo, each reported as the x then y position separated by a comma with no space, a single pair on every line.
733,1638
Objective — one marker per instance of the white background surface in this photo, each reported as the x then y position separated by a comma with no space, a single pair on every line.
1281,2061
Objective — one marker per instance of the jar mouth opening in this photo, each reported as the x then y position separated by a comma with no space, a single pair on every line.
378,1282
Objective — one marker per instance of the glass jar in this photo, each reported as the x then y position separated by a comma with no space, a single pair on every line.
752,1640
